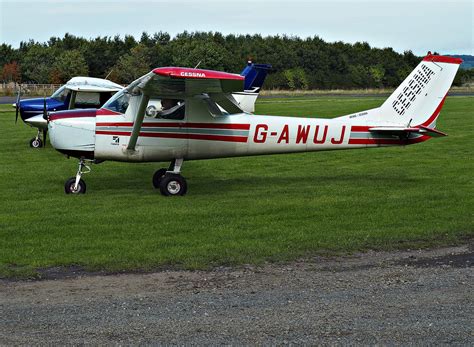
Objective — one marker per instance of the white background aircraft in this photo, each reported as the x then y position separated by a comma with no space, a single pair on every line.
209,123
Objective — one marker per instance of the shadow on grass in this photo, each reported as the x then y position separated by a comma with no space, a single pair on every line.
217,185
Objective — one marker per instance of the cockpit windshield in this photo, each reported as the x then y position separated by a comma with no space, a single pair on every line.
119,102
60,94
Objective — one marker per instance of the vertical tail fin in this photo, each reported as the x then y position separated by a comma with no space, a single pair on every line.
420,97
255,75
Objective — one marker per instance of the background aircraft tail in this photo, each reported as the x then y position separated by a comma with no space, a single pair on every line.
419,99
254,77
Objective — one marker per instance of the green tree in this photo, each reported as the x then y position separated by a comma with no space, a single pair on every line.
37,64
68,65
296,79
189,54
377,73
360,76
131,65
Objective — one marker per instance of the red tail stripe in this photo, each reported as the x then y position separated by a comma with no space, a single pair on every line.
357,128
387,141
435,113
442,59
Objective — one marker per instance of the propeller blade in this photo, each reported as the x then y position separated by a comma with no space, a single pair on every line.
45,110
45,132
17,105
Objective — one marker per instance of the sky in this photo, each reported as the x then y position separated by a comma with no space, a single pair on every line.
446,27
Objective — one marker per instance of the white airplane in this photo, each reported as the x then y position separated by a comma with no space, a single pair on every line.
207,122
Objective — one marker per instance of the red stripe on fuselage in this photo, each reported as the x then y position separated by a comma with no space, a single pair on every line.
181,125
179,136
107,112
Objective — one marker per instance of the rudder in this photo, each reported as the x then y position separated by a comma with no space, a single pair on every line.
420,97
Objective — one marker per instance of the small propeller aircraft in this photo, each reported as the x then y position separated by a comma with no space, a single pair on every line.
78,92
207,122
90,92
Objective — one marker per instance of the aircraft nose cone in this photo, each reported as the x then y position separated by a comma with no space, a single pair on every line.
37,121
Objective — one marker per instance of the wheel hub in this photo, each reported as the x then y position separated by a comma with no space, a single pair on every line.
174,187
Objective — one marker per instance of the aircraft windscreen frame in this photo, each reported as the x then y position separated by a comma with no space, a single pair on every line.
114,105
59,94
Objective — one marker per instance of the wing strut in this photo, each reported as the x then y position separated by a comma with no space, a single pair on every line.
137,125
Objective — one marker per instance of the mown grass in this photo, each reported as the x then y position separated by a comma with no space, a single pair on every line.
238,210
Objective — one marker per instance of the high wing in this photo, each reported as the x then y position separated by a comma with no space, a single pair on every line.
186,82
214,87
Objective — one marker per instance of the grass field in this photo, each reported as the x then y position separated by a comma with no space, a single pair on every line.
239,210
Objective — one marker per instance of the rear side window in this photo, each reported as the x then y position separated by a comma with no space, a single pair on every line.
87,99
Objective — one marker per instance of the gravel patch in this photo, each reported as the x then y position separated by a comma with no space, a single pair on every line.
413,297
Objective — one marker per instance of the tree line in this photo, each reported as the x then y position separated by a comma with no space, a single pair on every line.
297,63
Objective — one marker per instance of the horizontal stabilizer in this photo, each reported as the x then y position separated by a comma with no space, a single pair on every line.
397,131
431,132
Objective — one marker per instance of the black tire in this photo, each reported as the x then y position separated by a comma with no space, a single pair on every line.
157,176
173,185
69,186
36,143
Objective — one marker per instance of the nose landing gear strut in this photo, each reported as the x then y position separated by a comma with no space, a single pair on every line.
75,185
37,142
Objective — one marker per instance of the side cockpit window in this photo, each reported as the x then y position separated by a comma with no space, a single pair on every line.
119,102
87,100
166,109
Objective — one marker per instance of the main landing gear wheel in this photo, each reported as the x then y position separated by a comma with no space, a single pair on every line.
173,184
36,142
157,177
70,189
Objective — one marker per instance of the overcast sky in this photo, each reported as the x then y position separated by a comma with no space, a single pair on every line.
444,26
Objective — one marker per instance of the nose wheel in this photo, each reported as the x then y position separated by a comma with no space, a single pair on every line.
70,186
36,142
76,185
170,182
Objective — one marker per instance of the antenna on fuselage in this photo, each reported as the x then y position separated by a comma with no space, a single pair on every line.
108,74
198,64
